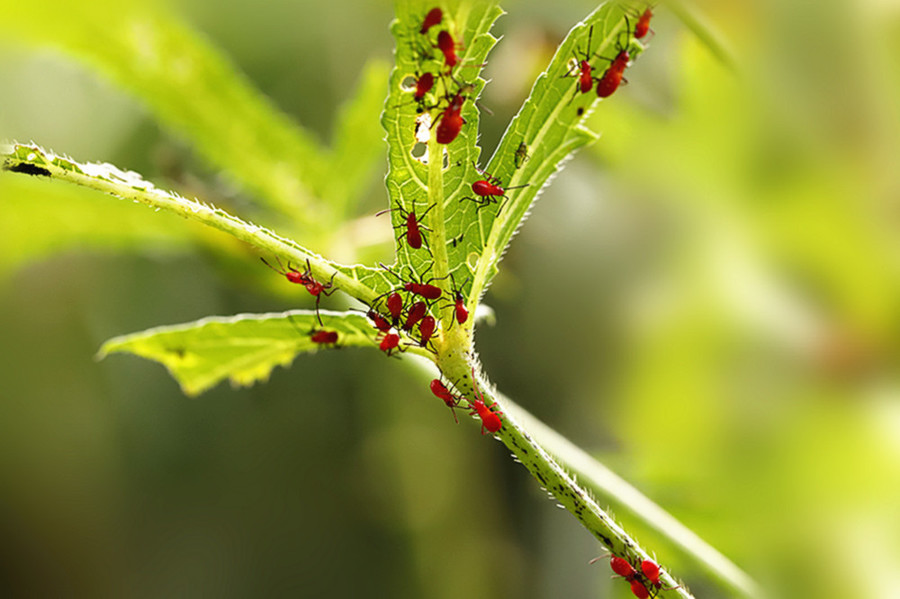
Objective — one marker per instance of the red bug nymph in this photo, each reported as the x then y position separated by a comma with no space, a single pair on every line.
381,323
638,589
643,25
490,419
434,17
489,189
447,45
583,69
415,313
651,571
614,75
423,290
619,565
322,337
451,121
305,278
460,312
424,84
395,306
441,392
390,343
413,229
426,330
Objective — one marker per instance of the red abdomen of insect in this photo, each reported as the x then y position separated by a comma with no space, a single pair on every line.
390,341
298,278
449,127
486,188
434,16
643,24
586,79
324,337
448,47
462,315
424,85
639,590
413,235
651,571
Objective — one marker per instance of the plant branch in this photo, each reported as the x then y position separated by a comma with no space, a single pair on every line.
552,478
127,185
626,497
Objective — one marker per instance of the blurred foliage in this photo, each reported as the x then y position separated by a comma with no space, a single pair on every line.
733,350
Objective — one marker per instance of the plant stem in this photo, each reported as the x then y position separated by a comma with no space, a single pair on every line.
30,159
552,478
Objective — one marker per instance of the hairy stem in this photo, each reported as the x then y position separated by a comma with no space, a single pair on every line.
552,477
32,160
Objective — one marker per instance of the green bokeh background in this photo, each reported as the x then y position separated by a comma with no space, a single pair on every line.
707,300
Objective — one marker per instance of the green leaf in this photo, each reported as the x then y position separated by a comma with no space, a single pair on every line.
358,141
33,160
243,349
549,124
411,184
192,89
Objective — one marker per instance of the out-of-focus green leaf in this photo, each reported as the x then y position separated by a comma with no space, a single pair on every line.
358,141
127,185
243,349
42,218
190,87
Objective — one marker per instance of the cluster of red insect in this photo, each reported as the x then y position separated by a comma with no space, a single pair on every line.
490,418
315,288
614,74
412,315
449,120
453,96
401,315
644,583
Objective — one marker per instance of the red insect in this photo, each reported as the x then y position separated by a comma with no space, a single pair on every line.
322,337
585,70
451,121
426,329
459,308
643,24
441,392
381,323
490,420
488,190
390,342
414,230
423,86
423,290
459,302
395,306
651,570
639,590
447,45
305,278
434,17
415,313
585,77
622,567
614,75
